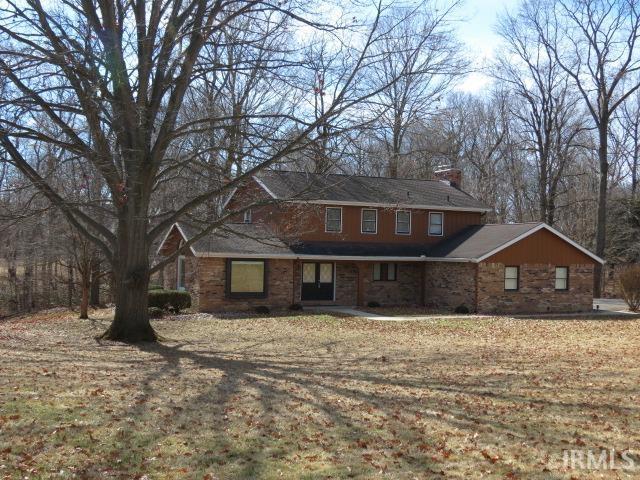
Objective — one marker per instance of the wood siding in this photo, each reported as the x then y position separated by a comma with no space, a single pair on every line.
542,247
306,222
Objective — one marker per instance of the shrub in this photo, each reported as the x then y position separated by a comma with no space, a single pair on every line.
373,304
461,309
155,286
155,312
295,307
630,287
174,300
262,309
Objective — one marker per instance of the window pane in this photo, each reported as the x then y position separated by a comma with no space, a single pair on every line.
308,272
391,271
369,215
334,220
511,278
247,216
435,224
511,284
181,273
326,273
247,277
376,271
403,222
562,276
369,220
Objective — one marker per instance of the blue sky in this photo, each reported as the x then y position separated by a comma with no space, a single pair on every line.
477,33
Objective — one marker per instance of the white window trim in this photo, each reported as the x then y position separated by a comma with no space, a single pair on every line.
566,279
247,216
410,221
362,221
429,225
517,278
326,219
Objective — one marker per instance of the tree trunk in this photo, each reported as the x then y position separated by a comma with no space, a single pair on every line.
542,186
84,299
131,275
70,281
94,293
601,225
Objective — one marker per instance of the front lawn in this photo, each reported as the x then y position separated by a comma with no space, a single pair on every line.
317,397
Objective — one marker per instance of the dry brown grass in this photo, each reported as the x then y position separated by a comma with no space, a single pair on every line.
316,397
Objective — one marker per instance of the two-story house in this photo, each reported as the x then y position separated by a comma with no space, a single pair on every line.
352,240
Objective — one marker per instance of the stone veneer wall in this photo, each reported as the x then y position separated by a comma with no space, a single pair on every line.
537,292
450,284
406,290
212,286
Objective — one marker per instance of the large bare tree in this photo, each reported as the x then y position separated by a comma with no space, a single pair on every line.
595,43
112,76
422,46
547,111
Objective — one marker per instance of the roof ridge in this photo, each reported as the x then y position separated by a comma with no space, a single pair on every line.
513,223
355,175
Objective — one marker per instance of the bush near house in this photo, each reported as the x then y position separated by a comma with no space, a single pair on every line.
630,287
174,300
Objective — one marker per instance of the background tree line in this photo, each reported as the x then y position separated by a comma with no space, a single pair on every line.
118,118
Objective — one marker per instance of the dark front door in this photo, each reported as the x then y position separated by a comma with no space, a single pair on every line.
317,281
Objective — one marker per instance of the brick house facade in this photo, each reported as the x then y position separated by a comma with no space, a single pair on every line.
349,245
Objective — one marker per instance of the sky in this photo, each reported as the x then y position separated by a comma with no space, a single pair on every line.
480,40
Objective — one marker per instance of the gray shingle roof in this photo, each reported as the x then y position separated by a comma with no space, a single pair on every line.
370,190
256,239
238,239
478,240
345,249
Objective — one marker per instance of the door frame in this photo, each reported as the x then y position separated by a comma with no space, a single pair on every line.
335,278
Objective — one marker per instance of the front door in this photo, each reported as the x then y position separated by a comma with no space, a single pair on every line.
317,281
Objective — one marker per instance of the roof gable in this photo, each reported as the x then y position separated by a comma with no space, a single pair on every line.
485,242
542,244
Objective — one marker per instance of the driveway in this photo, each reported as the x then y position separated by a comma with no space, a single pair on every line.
610,304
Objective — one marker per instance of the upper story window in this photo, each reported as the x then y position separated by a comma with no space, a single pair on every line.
333,221
511,278
562,278
247,216
436,223
403,222
369,220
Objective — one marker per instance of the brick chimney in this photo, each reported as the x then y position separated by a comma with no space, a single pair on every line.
449,174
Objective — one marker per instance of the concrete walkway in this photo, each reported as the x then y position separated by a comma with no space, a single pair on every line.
601,306
610,305
374,316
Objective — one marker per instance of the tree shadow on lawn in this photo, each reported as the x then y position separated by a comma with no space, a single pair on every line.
320,410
